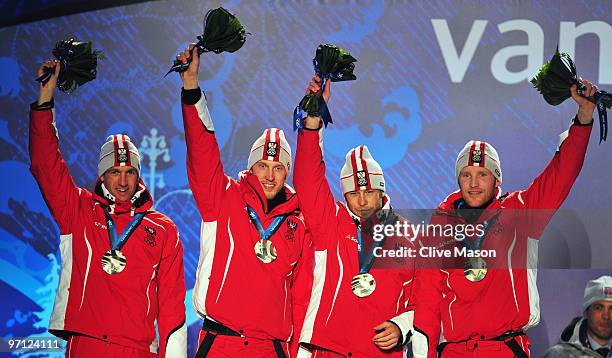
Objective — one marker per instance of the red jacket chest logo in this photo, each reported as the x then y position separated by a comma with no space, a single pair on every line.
291,228
150,237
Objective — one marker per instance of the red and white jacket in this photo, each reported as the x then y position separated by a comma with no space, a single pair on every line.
337,319
233,286
453,309
121,308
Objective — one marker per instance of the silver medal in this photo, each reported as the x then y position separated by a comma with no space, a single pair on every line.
265,251
475,269
113,262
363,284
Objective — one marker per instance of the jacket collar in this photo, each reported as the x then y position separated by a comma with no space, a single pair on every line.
141,200
249,185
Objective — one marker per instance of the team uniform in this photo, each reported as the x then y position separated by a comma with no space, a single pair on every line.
486,314
94,308
340,323
247,304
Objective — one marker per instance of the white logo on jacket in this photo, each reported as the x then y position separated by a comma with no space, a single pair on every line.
100,225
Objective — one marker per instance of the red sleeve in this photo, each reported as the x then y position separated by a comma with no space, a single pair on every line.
316,199
404,320
429,289
50,170
171,298
300,292
204,168
427,320
551,187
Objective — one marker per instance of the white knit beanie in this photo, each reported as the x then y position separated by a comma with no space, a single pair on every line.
361,171
599,289
271,145
118,151
479,154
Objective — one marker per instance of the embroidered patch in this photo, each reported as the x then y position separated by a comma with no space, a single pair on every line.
476,156
150,236
291,228
272,149
122,155
362,179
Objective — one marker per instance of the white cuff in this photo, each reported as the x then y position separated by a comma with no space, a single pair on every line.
177,343
404,321
202,108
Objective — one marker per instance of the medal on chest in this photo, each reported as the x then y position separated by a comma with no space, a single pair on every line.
114,261
363,284
475,268
265,250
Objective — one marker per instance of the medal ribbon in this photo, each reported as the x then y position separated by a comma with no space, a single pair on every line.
479,238
265,235
117,243
365,264
603,117
602,112
299,114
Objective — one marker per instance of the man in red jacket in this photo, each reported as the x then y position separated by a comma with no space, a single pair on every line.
361,304
479,306
254,269
122,262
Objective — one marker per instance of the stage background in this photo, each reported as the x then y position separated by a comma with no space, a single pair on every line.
431,76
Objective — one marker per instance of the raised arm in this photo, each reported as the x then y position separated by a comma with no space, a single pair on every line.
47,165
551,187
207,179
171,297
316,199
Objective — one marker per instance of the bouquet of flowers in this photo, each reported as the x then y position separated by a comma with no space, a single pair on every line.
222,32
331,63
556,77
78,64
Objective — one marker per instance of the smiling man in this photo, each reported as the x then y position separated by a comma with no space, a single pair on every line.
254,248
481,307
122,262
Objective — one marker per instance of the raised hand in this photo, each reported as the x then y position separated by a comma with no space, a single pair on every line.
190,76
46,90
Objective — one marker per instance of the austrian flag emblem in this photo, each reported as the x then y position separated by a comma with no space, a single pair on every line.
476,156
122,155
150,236
362,179
272,149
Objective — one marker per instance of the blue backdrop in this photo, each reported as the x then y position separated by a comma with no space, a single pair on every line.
431,76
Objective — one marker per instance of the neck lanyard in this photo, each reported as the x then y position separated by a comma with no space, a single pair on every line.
365,264
265,234
117,243
479,238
